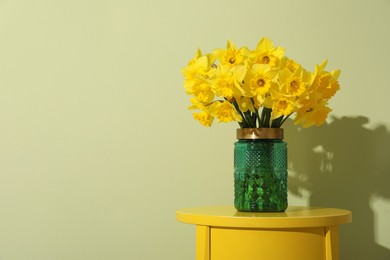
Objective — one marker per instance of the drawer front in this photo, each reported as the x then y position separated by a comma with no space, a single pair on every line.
267,244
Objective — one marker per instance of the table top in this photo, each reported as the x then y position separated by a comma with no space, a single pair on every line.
293,217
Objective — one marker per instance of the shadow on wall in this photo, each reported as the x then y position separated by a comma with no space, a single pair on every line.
343,165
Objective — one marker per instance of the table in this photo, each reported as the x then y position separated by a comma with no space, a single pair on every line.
299,233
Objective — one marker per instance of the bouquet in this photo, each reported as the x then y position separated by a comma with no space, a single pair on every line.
257,88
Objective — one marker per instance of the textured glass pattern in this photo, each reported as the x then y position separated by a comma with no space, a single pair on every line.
260,175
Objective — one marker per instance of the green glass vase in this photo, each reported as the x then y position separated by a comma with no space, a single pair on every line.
260,170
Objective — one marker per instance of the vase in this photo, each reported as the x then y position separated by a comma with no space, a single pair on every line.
260,170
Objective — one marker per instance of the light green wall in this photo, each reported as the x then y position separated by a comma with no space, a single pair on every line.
97,149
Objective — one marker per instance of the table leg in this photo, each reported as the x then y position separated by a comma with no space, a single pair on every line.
202,242
332,243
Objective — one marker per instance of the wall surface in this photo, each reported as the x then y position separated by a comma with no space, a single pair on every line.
98,149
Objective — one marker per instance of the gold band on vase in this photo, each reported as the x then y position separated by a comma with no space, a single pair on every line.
260,133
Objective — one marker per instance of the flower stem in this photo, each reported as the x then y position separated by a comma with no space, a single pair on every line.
256,113
266,117
281,123
276,122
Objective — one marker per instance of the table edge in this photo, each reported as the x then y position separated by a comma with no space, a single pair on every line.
263,220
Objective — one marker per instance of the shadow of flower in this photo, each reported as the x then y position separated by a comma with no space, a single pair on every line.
343,164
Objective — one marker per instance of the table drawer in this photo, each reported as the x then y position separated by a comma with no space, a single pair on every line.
267,244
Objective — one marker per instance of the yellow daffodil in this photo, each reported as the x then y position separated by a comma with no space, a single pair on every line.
196,104
282,106
199,66
200,89
294,83
325,82
289,64
312,114
227,81
197,75
259,81
204,118
225,112
266,53
231,56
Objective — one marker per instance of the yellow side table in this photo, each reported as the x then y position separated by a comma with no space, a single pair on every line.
299,233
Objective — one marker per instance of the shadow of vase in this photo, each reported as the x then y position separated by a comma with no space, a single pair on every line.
343,164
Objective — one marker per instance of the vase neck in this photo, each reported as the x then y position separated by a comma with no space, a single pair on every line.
260,133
